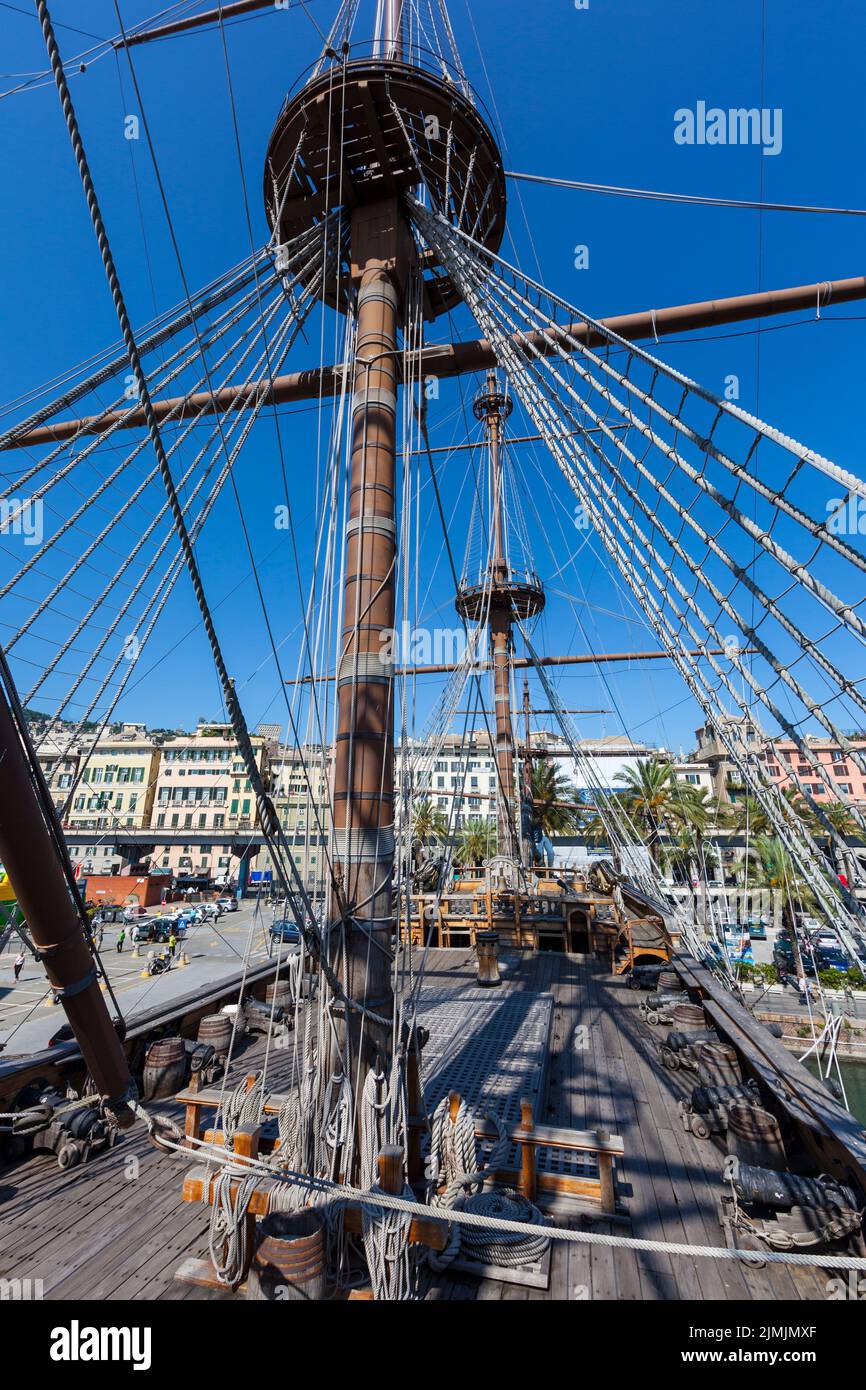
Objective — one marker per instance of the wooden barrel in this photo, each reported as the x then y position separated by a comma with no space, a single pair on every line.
754,1137
216,1029
668,980
718,1064
487,952
688,1016
289,1263
164,1068
279,992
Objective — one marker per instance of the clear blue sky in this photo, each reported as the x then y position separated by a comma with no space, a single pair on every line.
587,94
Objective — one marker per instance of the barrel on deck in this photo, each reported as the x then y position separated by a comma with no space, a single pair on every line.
754,1137
718,1064
688,1016
289,1263
668,981
487,952
164,1069
216,1029
280,994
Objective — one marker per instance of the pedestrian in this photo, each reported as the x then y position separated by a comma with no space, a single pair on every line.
121,937
19,964
172,943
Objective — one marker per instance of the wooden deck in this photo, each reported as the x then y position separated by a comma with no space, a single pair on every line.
117,1230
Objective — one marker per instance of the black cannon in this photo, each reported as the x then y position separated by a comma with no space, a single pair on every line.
706,1112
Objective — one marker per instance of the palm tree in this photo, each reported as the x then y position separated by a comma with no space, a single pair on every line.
689,851
702,815
429,823
750,817
769,865
845,825
555,806
653,799
476,842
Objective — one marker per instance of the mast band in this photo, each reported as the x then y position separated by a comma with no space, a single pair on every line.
359,844
70,991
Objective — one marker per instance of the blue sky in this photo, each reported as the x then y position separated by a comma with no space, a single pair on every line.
587,94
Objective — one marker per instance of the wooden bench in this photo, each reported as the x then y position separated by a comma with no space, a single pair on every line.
528,1136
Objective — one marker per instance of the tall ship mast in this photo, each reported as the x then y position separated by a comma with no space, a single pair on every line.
394,1092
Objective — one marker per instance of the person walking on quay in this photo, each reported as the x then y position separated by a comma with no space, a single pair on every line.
121,937
19,964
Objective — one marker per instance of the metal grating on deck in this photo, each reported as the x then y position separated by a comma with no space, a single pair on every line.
491,1046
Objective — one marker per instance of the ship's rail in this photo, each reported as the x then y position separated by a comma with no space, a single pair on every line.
834,1136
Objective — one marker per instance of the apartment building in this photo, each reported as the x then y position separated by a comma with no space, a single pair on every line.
202,786
299,786
741,732
604,761
837,769
839,773
58,758
457,775
100,784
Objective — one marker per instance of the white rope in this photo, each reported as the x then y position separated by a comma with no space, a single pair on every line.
343,1192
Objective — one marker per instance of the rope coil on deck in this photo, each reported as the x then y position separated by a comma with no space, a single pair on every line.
454,1157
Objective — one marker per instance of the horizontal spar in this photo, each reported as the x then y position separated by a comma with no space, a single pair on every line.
458,359
523,662
195,21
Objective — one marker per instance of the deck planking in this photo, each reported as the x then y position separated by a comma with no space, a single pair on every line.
117,1230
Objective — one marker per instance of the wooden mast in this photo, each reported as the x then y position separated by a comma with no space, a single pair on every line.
31,857
362,908
364,760
496,408
497,600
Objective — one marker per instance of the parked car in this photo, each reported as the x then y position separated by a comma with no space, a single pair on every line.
135,913
227,904
143,931
783,956
105,915
829,954
286,932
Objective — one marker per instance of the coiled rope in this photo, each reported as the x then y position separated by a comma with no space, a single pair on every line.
385,1233
454,1161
